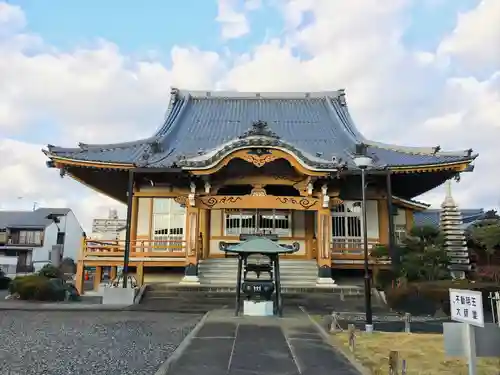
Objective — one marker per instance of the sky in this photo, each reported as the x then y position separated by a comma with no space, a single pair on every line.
416,73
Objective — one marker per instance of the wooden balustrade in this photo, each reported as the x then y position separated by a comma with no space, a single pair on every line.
351,249
138,248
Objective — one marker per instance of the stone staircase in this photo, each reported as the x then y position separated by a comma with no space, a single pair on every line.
203,298
222,271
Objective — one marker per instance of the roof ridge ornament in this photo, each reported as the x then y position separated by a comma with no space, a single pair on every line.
259,129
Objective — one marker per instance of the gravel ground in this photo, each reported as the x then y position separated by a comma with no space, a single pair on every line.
63,343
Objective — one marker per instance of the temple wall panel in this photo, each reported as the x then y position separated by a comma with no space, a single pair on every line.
216,224
298,224
144,218
400,218
372,219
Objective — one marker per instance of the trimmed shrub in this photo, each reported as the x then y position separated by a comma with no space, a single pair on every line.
425,298
37,288
50,272
384,279
488,274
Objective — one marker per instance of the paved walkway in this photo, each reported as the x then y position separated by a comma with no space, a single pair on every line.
226,345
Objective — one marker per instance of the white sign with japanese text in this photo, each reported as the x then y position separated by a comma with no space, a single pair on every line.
467,307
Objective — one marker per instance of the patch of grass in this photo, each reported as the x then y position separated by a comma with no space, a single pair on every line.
424,354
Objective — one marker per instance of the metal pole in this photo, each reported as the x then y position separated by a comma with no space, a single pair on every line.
277,283
368,295
238,285
126,253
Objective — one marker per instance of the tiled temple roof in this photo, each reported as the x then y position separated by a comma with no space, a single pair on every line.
316,125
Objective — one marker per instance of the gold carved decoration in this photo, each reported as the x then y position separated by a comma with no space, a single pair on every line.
259,160
210,202
305,203
258,191
302,186
258,201
182,200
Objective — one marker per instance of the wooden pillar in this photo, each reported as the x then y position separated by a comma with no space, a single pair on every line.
192,243
323,240
309,234
79,276
205,232
383,222
113,272
409,219
97,277
139,274
133,224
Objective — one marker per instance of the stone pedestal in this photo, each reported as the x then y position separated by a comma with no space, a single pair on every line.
258,308
191,280
118,296
325,282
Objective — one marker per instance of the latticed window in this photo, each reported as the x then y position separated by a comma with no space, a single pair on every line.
258,221
30,237
169,220
399,233
347,231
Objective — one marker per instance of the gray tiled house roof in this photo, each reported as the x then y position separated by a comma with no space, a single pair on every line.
431,216
29,219
317,125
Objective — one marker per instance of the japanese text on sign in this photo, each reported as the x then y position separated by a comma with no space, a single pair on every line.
467,306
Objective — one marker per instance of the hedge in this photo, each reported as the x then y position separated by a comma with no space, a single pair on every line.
37,288
4,282
426,298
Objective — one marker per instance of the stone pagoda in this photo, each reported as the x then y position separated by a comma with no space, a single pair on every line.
451,224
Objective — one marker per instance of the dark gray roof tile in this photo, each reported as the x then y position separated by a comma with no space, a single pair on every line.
29,219
311,122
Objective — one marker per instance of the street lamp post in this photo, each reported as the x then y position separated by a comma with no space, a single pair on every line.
363,163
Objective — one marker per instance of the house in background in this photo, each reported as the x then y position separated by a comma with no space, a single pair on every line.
430,217
27,238
111,228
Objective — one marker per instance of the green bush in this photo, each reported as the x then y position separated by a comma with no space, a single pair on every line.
4,281
37,288
425,298
50,272
384,279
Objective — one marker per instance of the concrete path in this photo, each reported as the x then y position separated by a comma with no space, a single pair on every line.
226,345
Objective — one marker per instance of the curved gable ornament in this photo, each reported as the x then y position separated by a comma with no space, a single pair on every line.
258,146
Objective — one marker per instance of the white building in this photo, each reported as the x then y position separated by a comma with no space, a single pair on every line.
28,239
108,229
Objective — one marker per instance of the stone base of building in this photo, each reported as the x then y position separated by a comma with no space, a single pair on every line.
258,308
325,281
118,296
190,279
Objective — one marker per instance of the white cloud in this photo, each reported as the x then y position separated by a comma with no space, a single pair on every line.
476,39
12,18
234,22
99,94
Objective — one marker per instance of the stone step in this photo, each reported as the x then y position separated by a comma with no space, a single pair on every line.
233,275
282,267
230,288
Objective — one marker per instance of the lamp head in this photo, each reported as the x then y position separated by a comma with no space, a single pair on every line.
363,162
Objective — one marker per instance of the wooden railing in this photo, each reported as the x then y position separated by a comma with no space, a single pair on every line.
351,249
138,248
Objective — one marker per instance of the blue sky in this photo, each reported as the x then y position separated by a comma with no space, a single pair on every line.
71,88
157,25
